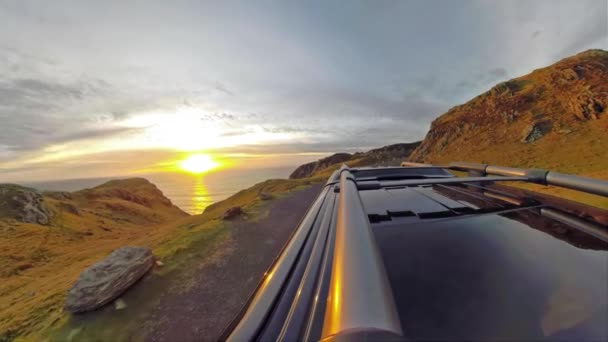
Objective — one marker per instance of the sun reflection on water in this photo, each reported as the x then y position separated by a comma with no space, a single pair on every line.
200,196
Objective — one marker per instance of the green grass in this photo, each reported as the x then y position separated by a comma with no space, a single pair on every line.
199,241
182,257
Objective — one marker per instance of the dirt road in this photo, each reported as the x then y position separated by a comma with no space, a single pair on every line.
220,289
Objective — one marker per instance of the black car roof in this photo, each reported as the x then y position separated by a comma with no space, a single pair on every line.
416,253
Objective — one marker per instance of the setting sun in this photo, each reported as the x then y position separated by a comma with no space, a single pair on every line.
198,163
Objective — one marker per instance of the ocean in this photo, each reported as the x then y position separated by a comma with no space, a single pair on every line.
192,193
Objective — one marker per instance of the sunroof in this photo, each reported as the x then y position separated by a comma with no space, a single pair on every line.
492,277
425,202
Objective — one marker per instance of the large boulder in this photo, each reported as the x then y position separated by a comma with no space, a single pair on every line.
104,281
24,204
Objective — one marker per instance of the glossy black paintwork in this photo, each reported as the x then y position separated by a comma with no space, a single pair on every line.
464,261
492,277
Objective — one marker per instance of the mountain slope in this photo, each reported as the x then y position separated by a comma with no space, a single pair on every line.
383,156
553,118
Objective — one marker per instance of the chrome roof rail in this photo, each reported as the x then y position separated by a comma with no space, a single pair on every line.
263,300
372,185
539,176
360,297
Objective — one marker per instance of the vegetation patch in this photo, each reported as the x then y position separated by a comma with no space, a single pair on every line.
35,279
182,257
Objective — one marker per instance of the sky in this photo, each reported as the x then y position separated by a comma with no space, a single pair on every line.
108,88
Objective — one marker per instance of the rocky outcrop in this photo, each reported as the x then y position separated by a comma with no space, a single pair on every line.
136,200
23,204
104,281
535,131
390,155
383,156
307,170
136,190
568,96
587,106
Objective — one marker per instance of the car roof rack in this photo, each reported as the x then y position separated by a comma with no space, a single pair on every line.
329,282
538,176
367,302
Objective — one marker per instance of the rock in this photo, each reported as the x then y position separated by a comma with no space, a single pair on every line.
107,279
24,204
232,213
530,134
159,263
120,304
587,106
509,116
385,156
568,75
535,131
264,196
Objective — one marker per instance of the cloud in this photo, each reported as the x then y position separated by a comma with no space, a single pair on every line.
36,113
95,133
104,164
219,117
328,76
557,28
477,82
119,115
30,94
497,73
223,89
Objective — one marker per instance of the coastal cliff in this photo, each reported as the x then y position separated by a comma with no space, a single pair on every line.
390,155
554,118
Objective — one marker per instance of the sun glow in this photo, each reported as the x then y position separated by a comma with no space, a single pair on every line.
198,163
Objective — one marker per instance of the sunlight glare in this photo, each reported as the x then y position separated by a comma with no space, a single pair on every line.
198,163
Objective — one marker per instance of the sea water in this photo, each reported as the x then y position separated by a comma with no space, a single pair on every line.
192,193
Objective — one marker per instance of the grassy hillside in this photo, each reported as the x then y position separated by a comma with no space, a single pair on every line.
40,262
553,118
